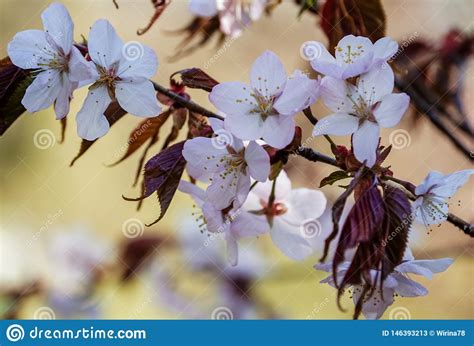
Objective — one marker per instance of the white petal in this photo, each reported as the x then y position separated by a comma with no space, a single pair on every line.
246,127
203,8
304,204
138,97
391,109
137,61
433,178
79,68
203,155
407,287
42,91
282,188
336,124
224,187
91,121
374,307
105,47
425,267
430,210
258,161
290,240
233,98
335,95
198,194
242,190
375,84
58,24
278,130
385,48
248,225
268,76
28,48
365,141
452,182
355,53
299,93
61,106
232,250
325,63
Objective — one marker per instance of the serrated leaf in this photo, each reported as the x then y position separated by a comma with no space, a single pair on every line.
333,177
113,113
162,175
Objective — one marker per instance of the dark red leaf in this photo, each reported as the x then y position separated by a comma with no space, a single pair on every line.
196,78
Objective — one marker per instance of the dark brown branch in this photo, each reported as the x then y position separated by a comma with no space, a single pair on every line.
304,152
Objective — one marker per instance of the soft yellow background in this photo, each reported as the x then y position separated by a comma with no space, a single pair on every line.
38,183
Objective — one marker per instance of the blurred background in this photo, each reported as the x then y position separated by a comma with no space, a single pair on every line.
71,247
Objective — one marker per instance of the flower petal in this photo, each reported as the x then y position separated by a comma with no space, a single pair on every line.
232,250
58,24
91,121
304,204
452,182
137,97
282,188
425,267
233,98
355,53
375,84
335,95
374,307
29,48
268,76
430,210
299,93
79,68
42,92
338,124
246,127
324,62
137,61
278,130
365,142
258,161
385,48
290,240
407,287
248,225
203,155
105,47
197,194
391,109
61,106
227,187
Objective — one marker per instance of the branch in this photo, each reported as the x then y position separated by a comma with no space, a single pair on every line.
302,151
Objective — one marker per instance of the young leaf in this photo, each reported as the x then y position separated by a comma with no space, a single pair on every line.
196,78
333,177
162,175
13,84
113,113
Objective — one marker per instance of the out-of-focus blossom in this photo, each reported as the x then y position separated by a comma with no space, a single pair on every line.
397,283
58,65
266,108
431,205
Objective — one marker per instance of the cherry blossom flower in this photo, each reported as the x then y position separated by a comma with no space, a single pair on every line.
231,224
265,109
234,15
397,283
293,215
119,75
58,65
354,55
430,206
361,110
231,163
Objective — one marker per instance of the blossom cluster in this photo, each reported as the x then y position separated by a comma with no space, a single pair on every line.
113,70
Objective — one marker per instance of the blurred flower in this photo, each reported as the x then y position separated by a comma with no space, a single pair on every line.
231,163
397,283
122,72
293,215
232,224
354,55
265,109
430,206
59,65
361,110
